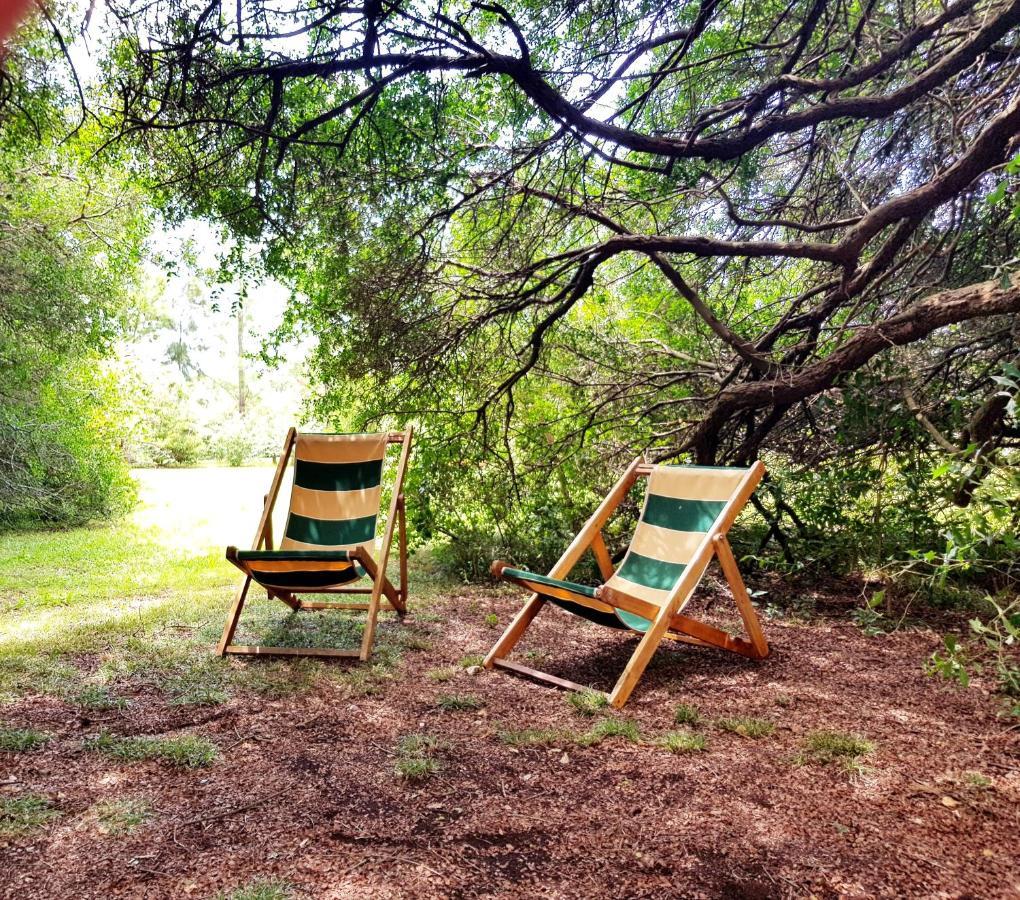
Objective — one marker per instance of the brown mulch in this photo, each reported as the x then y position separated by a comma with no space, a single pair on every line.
305,789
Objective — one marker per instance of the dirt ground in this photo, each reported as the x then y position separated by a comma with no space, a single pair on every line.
305,787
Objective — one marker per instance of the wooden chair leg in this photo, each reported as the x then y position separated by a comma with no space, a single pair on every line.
402,547
233,617
515,630
638,662
748,614
373,612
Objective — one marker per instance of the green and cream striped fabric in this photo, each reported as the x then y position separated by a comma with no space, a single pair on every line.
334,506
682,503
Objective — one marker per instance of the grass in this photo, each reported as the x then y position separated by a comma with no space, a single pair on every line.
472,659
686,714
458,702
683,741
21,740
492,620
120,817
439,676
187,751
535,737
825,747
587,703
747,726
416,759
19,815
260,889
100,698
610,728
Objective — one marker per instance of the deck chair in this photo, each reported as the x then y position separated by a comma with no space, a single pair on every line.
330,535
686,514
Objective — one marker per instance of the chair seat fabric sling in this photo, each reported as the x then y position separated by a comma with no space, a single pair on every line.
686,513
328,541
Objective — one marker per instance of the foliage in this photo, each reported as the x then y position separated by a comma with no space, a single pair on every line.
187,751
19,815
19,740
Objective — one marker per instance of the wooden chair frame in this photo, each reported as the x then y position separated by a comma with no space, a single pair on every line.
667,621
395,597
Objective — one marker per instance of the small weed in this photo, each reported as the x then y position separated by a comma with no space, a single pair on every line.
492,620
416,757
99,698
587,703
458,702
121,816
686,714
977,781
747,726
472,659
784,701
260,889
20,740
830,746
609,728
683,741
535,737
440,675
187,751
19,815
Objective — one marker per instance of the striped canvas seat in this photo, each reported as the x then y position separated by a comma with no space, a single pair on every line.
681,506
334,507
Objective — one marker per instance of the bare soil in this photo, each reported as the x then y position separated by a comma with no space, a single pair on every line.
305,788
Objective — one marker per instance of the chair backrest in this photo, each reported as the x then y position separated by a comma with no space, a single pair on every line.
334,503
682,504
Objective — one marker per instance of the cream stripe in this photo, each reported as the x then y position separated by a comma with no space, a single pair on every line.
651,595
683,483
335,505
664,544
293,565
341,448
290,544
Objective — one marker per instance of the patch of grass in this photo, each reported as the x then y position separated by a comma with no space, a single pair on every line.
441,675
492,620
121,816
610,728
413,641
686,714
276,678
187,751
825,747
416,757
260,889
472,659
587,703
19,815
100,698
683,741
365,680
535,737
977,781
458,702
748,726
21,740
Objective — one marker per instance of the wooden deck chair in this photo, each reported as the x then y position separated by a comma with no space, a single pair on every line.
330,535
686,514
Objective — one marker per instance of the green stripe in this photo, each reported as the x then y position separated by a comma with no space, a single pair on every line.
323,555
681,515
632,620
651,573
581,589
309,579
320,476
328,531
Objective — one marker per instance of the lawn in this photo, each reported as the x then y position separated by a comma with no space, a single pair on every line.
149,767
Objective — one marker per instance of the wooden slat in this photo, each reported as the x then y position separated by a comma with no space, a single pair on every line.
602,557
748,614
380,576
541,676
714,637
252,650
